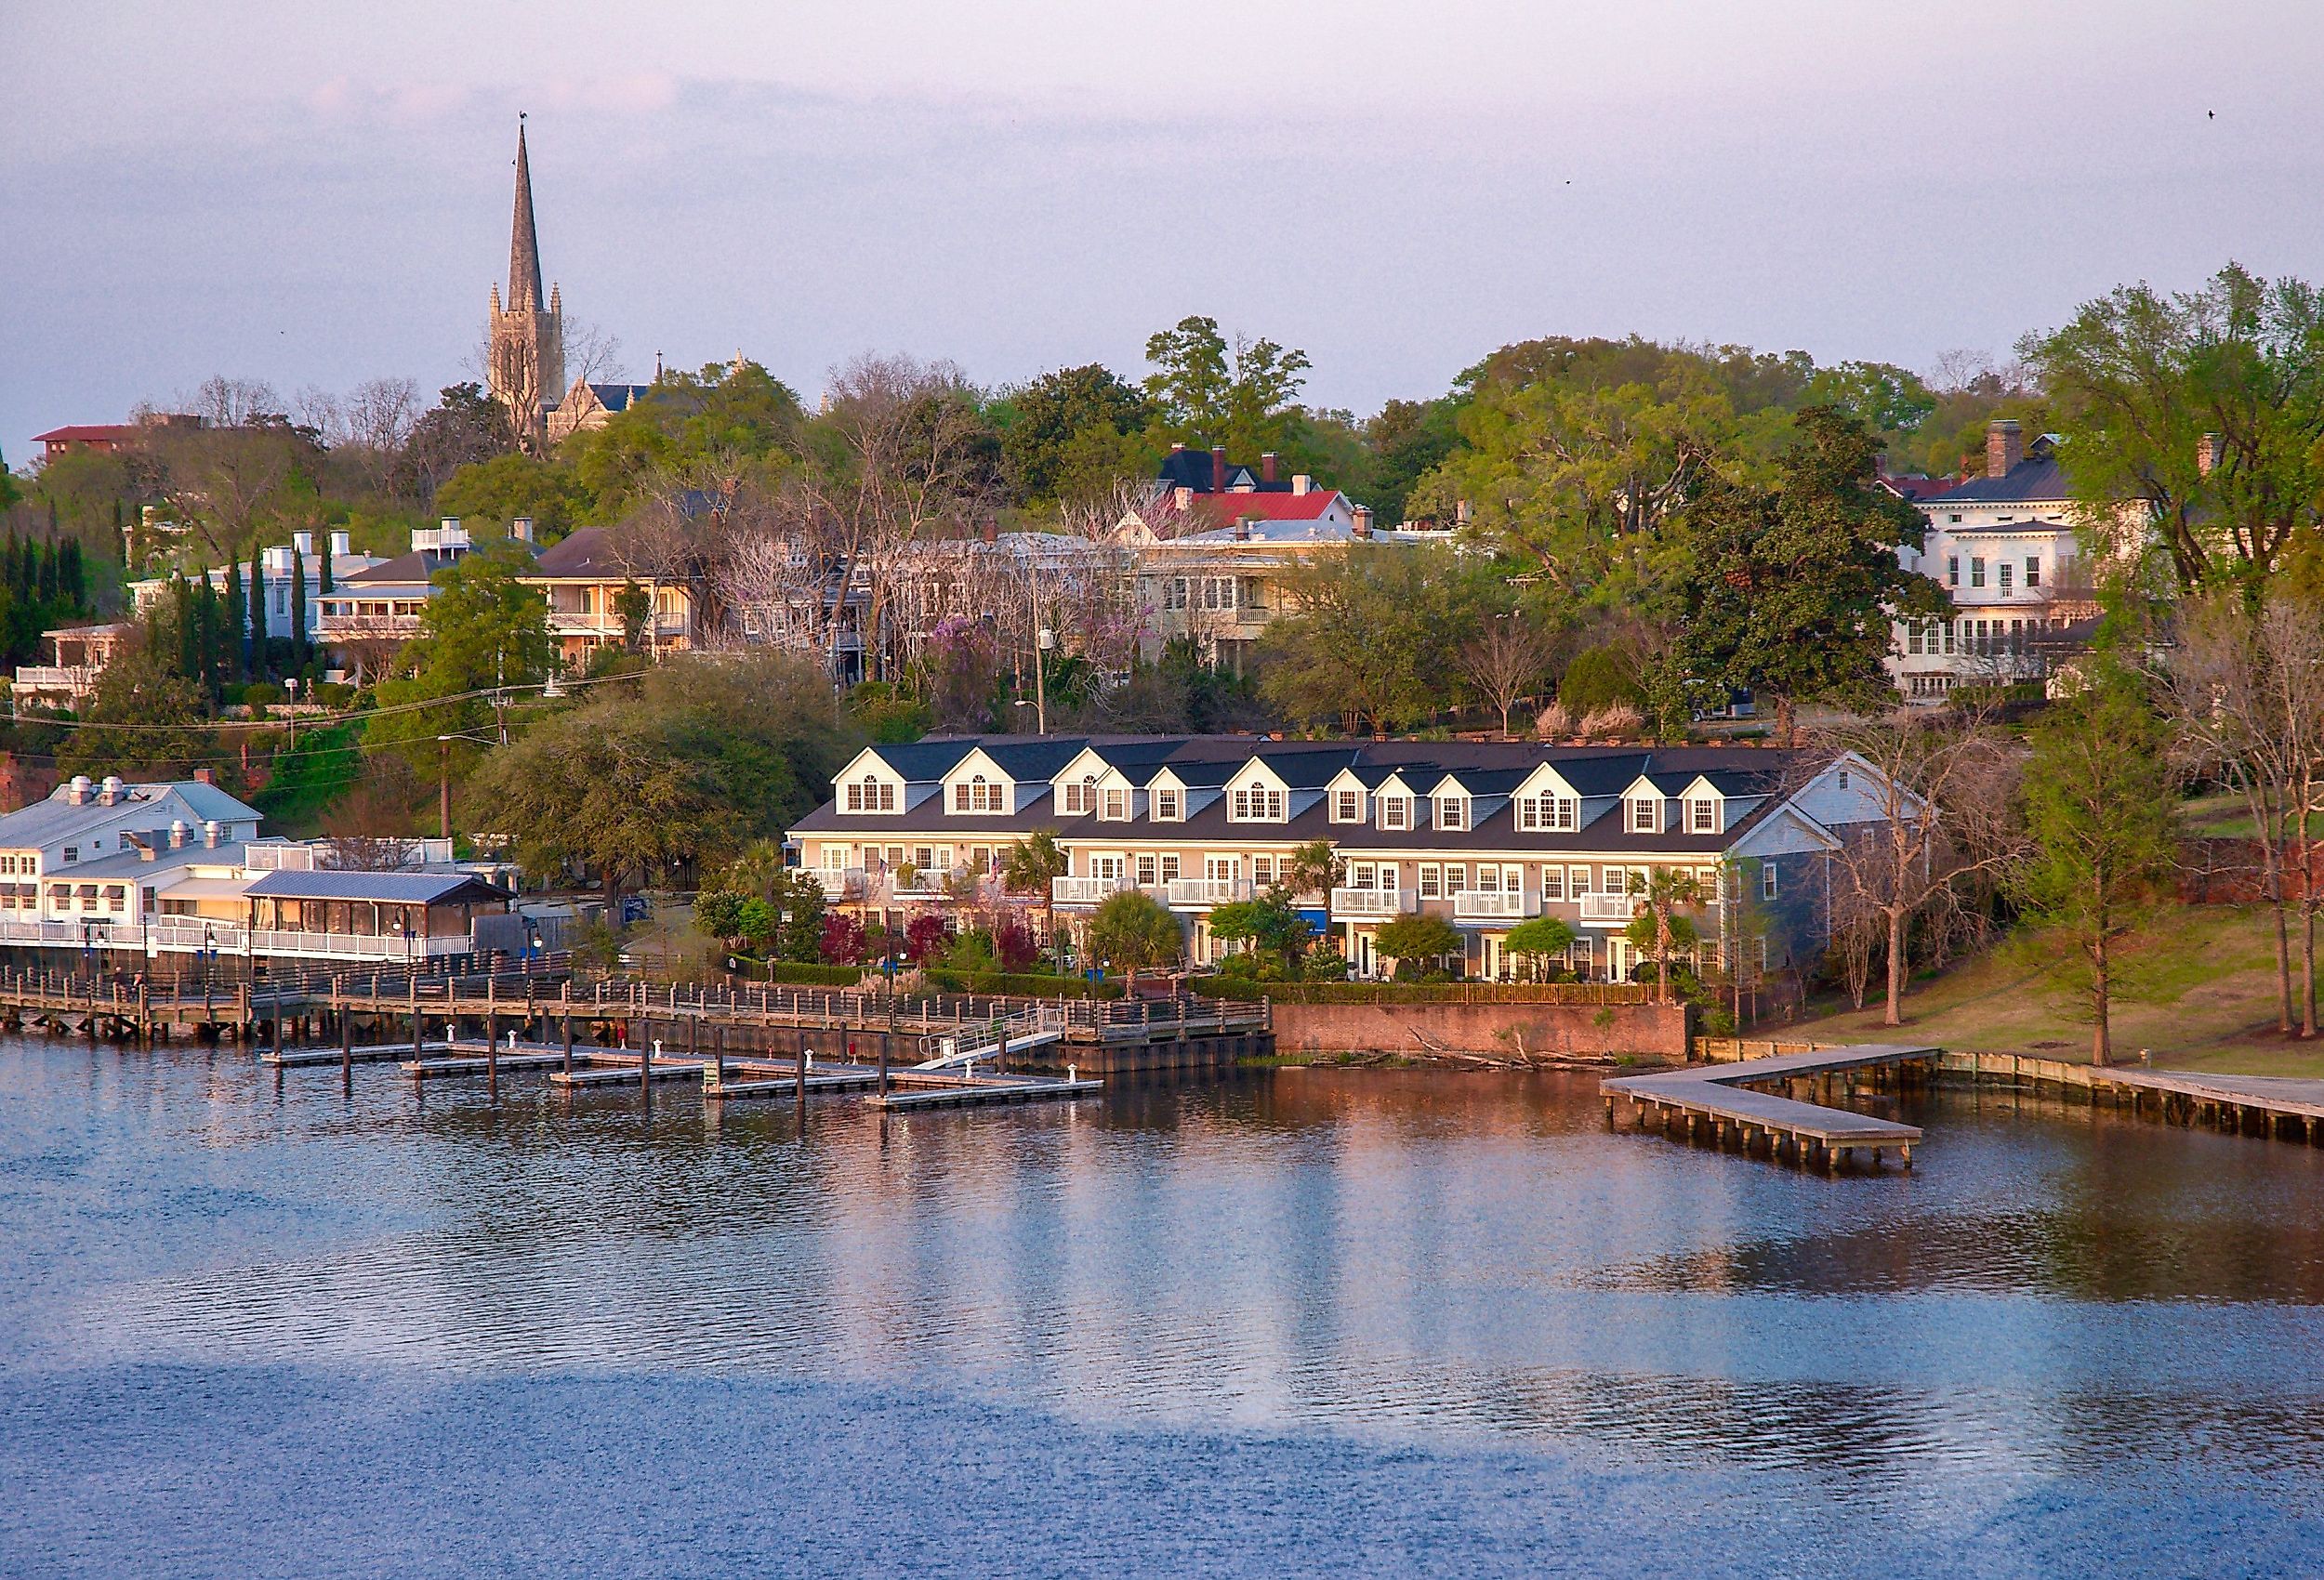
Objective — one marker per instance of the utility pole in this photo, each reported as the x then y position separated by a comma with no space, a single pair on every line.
444,785
500,693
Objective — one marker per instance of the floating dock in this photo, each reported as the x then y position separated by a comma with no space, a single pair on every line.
1719,1102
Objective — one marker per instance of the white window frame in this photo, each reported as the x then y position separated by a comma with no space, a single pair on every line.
1396,811
1702,815
1347,806
1770,887
1552,885
1114,804
1452,812
1164,805
1645,813
1431,881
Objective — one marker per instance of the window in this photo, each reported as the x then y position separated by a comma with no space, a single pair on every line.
1452,811
1645,814
1702,816
870,794
1396,811
1176,597
1553,883
2005,568
1843,779
60,896
1456,877
116,898
1431,881
1170,868
1116,807
1952,567
1166,806
2033,572
1767,881
1347,806
1976,571
1580,889
1149,872
1262,870
72,853
1954,519
1257,804
1081,794
960,797
1549,813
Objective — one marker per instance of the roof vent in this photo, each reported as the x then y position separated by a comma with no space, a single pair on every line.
109,792
213,834
77,793
179,832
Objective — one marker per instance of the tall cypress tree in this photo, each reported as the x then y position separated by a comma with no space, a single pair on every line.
71,576
258,613
237,623
299,609
189,628
48,592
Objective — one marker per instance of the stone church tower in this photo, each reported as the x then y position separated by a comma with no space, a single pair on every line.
525,356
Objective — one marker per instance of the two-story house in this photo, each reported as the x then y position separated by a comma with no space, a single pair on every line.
585,578
71,865
1484,834
2005,548
372,612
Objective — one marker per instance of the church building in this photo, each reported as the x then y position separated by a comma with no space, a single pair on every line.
525,346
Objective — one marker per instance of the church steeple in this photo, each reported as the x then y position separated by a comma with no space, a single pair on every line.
525,247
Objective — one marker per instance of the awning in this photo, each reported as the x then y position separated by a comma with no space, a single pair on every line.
204,888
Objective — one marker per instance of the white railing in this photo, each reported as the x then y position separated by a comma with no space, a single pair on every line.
1487,904
840,883
193,935
1609,908
1372,901
1207,891
100,928
55,677
579,623
1085,891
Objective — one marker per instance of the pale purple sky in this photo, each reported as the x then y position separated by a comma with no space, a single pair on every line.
319,194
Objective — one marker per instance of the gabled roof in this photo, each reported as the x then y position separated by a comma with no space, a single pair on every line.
589,554
1039,759
89,433
921,762
1482,781
1192,469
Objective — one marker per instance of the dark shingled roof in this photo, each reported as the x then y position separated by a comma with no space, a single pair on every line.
394,889
2036,477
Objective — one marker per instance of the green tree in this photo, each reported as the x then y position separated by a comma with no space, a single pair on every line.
497,491
1314,867
2100,807
482,629
260,667
1369,637
719,913
1789,590
1132,931
1032,865
798,903
1270,922
1416,938
1536,939
634,605
1661,927
237,624
2142,381
1243,397
1054,422
1881,396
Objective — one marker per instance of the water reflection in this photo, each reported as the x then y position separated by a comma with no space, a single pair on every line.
1402,1256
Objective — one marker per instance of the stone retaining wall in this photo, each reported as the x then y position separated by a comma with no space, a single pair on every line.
1501,1030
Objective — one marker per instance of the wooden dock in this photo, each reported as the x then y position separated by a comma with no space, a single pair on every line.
1720,1103
2280,1107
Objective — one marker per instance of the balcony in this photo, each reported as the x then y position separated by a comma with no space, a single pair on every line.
608,627
1086,890
1609,910
1200,893
1491,905
1357,903
839,883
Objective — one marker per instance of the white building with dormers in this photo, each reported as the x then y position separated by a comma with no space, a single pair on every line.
1484,834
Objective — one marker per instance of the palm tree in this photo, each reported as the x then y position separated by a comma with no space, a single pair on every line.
1312,868
1666,891
1032,866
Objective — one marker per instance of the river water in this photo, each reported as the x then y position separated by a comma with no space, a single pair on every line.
1307,1322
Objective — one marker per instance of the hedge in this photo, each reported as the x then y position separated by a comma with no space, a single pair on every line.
1025,984
799,974
1424,993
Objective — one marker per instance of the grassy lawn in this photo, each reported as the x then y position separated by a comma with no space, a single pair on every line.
2209,1003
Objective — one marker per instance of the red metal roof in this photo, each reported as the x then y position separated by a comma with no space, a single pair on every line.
88,433
1228,509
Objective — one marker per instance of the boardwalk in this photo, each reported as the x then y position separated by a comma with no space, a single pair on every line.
1719,1101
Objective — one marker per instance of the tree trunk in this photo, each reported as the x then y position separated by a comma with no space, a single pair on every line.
1783,722
2101,1038
2283,966
1896,968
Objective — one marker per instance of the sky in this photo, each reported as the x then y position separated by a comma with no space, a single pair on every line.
316,194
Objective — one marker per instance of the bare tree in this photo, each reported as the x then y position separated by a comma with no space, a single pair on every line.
2245,689
235,402
1505,661
1938,827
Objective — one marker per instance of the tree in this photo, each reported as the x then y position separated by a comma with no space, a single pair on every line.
1504,661
1271,922
498,489
1132,931
798,903
259,667
1245,399
719,913
1415,937
464,426
1369,637
1050,415
1659,928
483,630
634,606
1538,938
2100,808
2204,410
298,611
1032,866
1314,867
1934,828
1791,590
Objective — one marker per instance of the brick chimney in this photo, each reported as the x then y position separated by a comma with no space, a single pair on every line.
2207,454
1267,467
206,775
1363,520
1217,468
2004,447
1242,529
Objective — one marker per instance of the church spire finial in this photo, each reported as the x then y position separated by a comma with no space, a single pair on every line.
525,247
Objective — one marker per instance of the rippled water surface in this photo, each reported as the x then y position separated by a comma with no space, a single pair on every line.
1309,1321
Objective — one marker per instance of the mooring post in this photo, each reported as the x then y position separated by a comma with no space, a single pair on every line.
798,1074
883,1066
645,1065
347,1039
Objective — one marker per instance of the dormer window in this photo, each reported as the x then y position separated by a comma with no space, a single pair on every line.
1115,806
1257,804
871,795
1081,796
1702,816
1347,806
1547,814
1645,814
1396,811
1452,811
1166,807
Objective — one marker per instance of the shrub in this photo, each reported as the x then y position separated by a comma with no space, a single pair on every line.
1600,678
1619,719
262,694
717,913
926,937
1014,943
799,974
1025,984
1555,722
843,940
